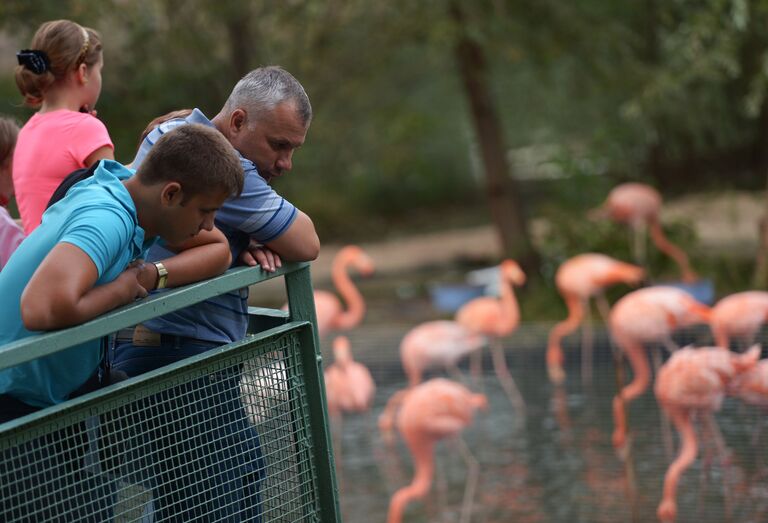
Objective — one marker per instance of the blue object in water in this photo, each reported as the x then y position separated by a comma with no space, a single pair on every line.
450,297
701,290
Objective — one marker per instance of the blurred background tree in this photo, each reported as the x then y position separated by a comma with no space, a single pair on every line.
423,109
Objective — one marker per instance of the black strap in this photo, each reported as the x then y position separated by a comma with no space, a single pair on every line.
70,180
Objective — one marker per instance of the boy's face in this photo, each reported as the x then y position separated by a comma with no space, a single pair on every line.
188,216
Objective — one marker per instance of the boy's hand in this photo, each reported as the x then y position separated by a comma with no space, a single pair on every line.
147,276
257,254
130,283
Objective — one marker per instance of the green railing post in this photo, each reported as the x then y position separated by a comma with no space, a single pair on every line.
301,305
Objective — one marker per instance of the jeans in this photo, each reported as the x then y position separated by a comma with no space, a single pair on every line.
193,444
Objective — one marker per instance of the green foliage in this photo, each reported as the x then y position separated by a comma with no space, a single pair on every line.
607,84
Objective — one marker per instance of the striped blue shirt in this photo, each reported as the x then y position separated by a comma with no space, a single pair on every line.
259,213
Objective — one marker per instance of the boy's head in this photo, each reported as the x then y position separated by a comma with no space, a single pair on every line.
192,169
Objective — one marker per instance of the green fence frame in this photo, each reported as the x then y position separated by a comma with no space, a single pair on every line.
267,326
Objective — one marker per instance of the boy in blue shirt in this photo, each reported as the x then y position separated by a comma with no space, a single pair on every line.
84,259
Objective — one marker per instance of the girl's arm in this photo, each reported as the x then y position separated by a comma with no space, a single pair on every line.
102,153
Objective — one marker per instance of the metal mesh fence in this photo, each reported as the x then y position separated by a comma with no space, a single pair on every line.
221,436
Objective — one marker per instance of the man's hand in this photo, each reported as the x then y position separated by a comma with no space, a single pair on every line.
257,254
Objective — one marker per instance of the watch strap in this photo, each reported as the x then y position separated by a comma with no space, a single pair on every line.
162,275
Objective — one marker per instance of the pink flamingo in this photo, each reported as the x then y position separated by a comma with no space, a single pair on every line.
434,410
648,315
639,206
349,386
752,386
578,279
496,318
436,343
331,315
693,381
739,315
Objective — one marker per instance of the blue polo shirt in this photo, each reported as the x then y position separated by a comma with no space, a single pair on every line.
259,213
98,216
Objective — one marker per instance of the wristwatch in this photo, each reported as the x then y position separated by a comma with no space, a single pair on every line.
162,275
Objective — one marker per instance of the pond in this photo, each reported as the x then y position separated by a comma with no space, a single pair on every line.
557,464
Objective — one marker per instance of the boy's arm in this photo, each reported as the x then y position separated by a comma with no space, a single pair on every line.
61,292
203,256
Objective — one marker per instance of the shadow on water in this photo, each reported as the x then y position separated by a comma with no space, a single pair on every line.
559,465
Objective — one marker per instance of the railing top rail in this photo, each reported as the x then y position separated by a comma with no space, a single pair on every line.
159,304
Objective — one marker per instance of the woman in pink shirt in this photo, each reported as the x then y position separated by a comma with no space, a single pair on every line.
60,75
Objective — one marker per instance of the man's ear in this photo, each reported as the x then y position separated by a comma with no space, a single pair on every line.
171,194
237,120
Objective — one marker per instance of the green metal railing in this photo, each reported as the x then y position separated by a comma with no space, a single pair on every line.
239,433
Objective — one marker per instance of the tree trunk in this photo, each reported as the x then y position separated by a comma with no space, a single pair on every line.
502,192
242,49
760,277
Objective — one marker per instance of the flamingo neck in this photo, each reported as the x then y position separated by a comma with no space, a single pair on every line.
575,316
355,306
509,307
342,357
424,467
722,339
555,357
673,251
667,510
641,370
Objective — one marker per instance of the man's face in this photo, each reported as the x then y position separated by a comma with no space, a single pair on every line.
189,216
269,139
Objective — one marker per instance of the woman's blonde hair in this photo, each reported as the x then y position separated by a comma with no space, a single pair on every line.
65,45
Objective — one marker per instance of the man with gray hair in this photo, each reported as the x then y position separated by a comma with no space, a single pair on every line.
266,119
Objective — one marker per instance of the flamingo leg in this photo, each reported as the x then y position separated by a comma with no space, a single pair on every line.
725,461
560,406
473,470
639,232
625,451
587,344
603,307
456,373
476,365
505,378
670,345
666,427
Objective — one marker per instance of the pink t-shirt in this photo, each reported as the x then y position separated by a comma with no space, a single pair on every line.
50,146
10,236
